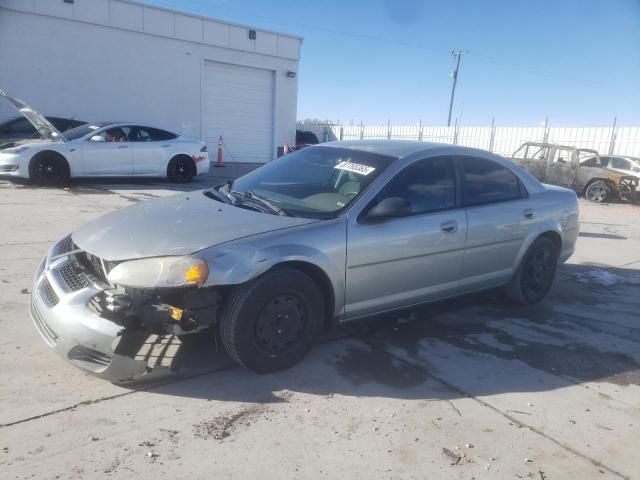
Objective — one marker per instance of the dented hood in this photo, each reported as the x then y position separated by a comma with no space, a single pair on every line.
41,124
175,225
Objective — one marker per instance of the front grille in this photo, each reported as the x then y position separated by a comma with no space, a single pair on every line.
63,246
48,294
73,277
49,335
96,266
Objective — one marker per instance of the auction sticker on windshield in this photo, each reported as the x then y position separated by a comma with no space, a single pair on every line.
355,168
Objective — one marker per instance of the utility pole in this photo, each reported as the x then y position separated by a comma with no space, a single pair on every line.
456,56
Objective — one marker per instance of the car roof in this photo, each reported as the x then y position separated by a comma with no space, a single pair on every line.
402,148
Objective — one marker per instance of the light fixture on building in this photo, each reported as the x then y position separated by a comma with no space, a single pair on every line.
252,34
291,74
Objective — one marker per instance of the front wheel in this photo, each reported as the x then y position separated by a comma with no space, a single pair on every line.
535,274
597,192
49,169
181,169
271,322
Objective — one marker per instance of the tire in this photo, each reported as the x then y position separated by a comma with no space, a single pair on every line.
49,168
597,191
181,169
534,277
271,322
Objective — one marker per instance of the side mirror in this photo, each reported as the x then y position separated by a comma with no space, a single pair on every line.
388,208
97,138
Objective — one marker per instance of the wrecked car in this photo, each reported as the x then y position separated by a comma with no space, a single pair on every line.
98,149
581,169
327,234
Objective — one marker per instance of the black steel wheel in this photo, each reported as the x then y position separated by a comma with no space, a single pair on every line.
597,191
48,168
271,322
181,169
536,273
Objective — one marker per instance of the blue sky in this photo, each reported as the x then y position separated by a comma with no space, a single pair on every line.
576,62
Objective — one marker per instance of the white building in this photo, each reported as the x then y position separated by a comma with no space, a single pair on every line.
127,61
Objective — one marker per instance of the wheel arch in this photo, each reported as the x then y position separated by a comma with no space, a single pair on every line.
547,230
607,181
49,152
176,154
320,277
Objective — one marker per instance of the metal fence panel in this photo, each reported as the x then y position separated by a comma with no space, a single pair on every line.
501,140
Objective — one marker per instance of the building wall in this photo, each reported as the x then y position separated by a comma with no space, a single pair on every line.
119,60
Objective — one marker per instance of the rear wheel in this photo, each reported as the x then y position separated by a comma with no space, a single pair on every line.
270,323
181,169
597,191
49,168
535,274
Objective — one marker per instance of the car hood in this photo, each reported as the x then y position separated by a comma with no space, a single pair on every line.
43,126
175,225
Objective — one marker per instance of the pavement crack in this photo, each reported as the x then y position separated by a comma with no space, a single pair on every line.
510,418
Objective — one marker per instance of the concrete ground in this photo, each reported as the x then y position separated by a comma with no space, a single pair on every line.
471,388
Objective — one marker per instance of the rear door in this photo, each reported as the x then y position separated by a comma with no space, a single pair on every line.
410,259
499,215
108,152
151,149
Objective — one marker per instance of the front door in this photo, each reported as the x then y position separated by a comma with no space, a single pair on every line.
412,258
108,152
561,167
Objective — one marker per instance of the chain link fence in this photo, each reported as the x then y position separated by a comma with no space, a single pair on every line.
501,140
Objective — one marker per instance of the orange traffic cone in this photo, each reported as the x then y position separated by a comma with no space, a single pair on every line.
219,161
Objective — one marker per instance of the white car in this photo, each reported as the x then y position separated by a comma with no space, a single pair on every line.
110,149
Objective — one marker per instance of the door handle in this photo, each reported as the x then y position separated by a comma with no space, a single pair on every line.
449,227
123,146
528,213
165,146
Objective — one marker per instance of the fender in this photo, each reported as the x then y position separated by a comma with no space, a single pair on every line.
242,260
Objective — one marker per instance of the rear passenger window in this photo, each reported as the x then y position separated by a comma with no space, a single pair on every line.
428,185
160,135
485,181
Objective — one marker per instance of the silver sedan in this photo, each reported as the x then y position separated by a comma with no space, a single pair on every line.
331,233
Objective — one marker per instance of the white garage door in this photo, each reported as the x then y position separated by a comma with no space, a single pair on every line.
238,104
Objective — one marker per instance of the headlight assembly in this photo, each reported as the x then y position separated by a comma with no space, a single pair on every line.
160,272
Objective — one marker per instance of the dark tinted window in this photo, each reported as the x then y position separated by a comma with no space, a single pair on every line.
19,125
159,135
427,185
485,181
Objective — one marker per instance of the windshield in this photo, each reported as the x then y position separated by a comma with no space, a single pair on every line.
82,130
316,182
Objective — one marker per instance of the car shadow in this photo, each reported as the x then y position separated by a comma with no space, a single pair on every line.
584,331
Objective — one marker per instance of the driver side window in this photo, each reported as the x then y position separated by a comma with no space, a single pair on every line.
428,186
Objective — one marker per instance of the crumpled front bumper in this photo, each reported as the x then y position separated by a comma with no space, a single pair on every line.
62,311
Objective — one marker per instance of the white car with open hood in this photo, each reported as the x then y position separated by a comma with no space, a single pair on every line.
101,149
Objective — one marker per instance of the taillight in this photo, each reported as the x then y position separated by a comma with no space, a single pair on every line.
203,149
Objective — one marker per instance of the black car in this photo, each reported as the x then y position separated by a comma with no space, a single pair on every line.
305,138
19,128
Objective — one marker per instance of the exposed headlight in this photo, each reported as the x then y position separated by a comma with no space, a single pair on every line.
19,149
160,272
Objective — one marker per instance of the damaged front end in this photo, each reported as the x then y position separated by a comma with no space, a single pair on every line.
102,327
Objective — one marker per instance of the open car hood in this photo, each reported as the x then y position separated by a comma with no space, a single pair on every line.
42,125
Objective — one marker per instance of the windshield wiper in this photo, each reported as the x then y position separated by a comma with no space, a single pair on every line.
251,196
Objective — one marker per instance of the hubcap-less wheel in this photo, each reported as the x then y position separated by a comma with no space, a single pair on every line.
48,170
181,169
539,271
281,324
597,192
